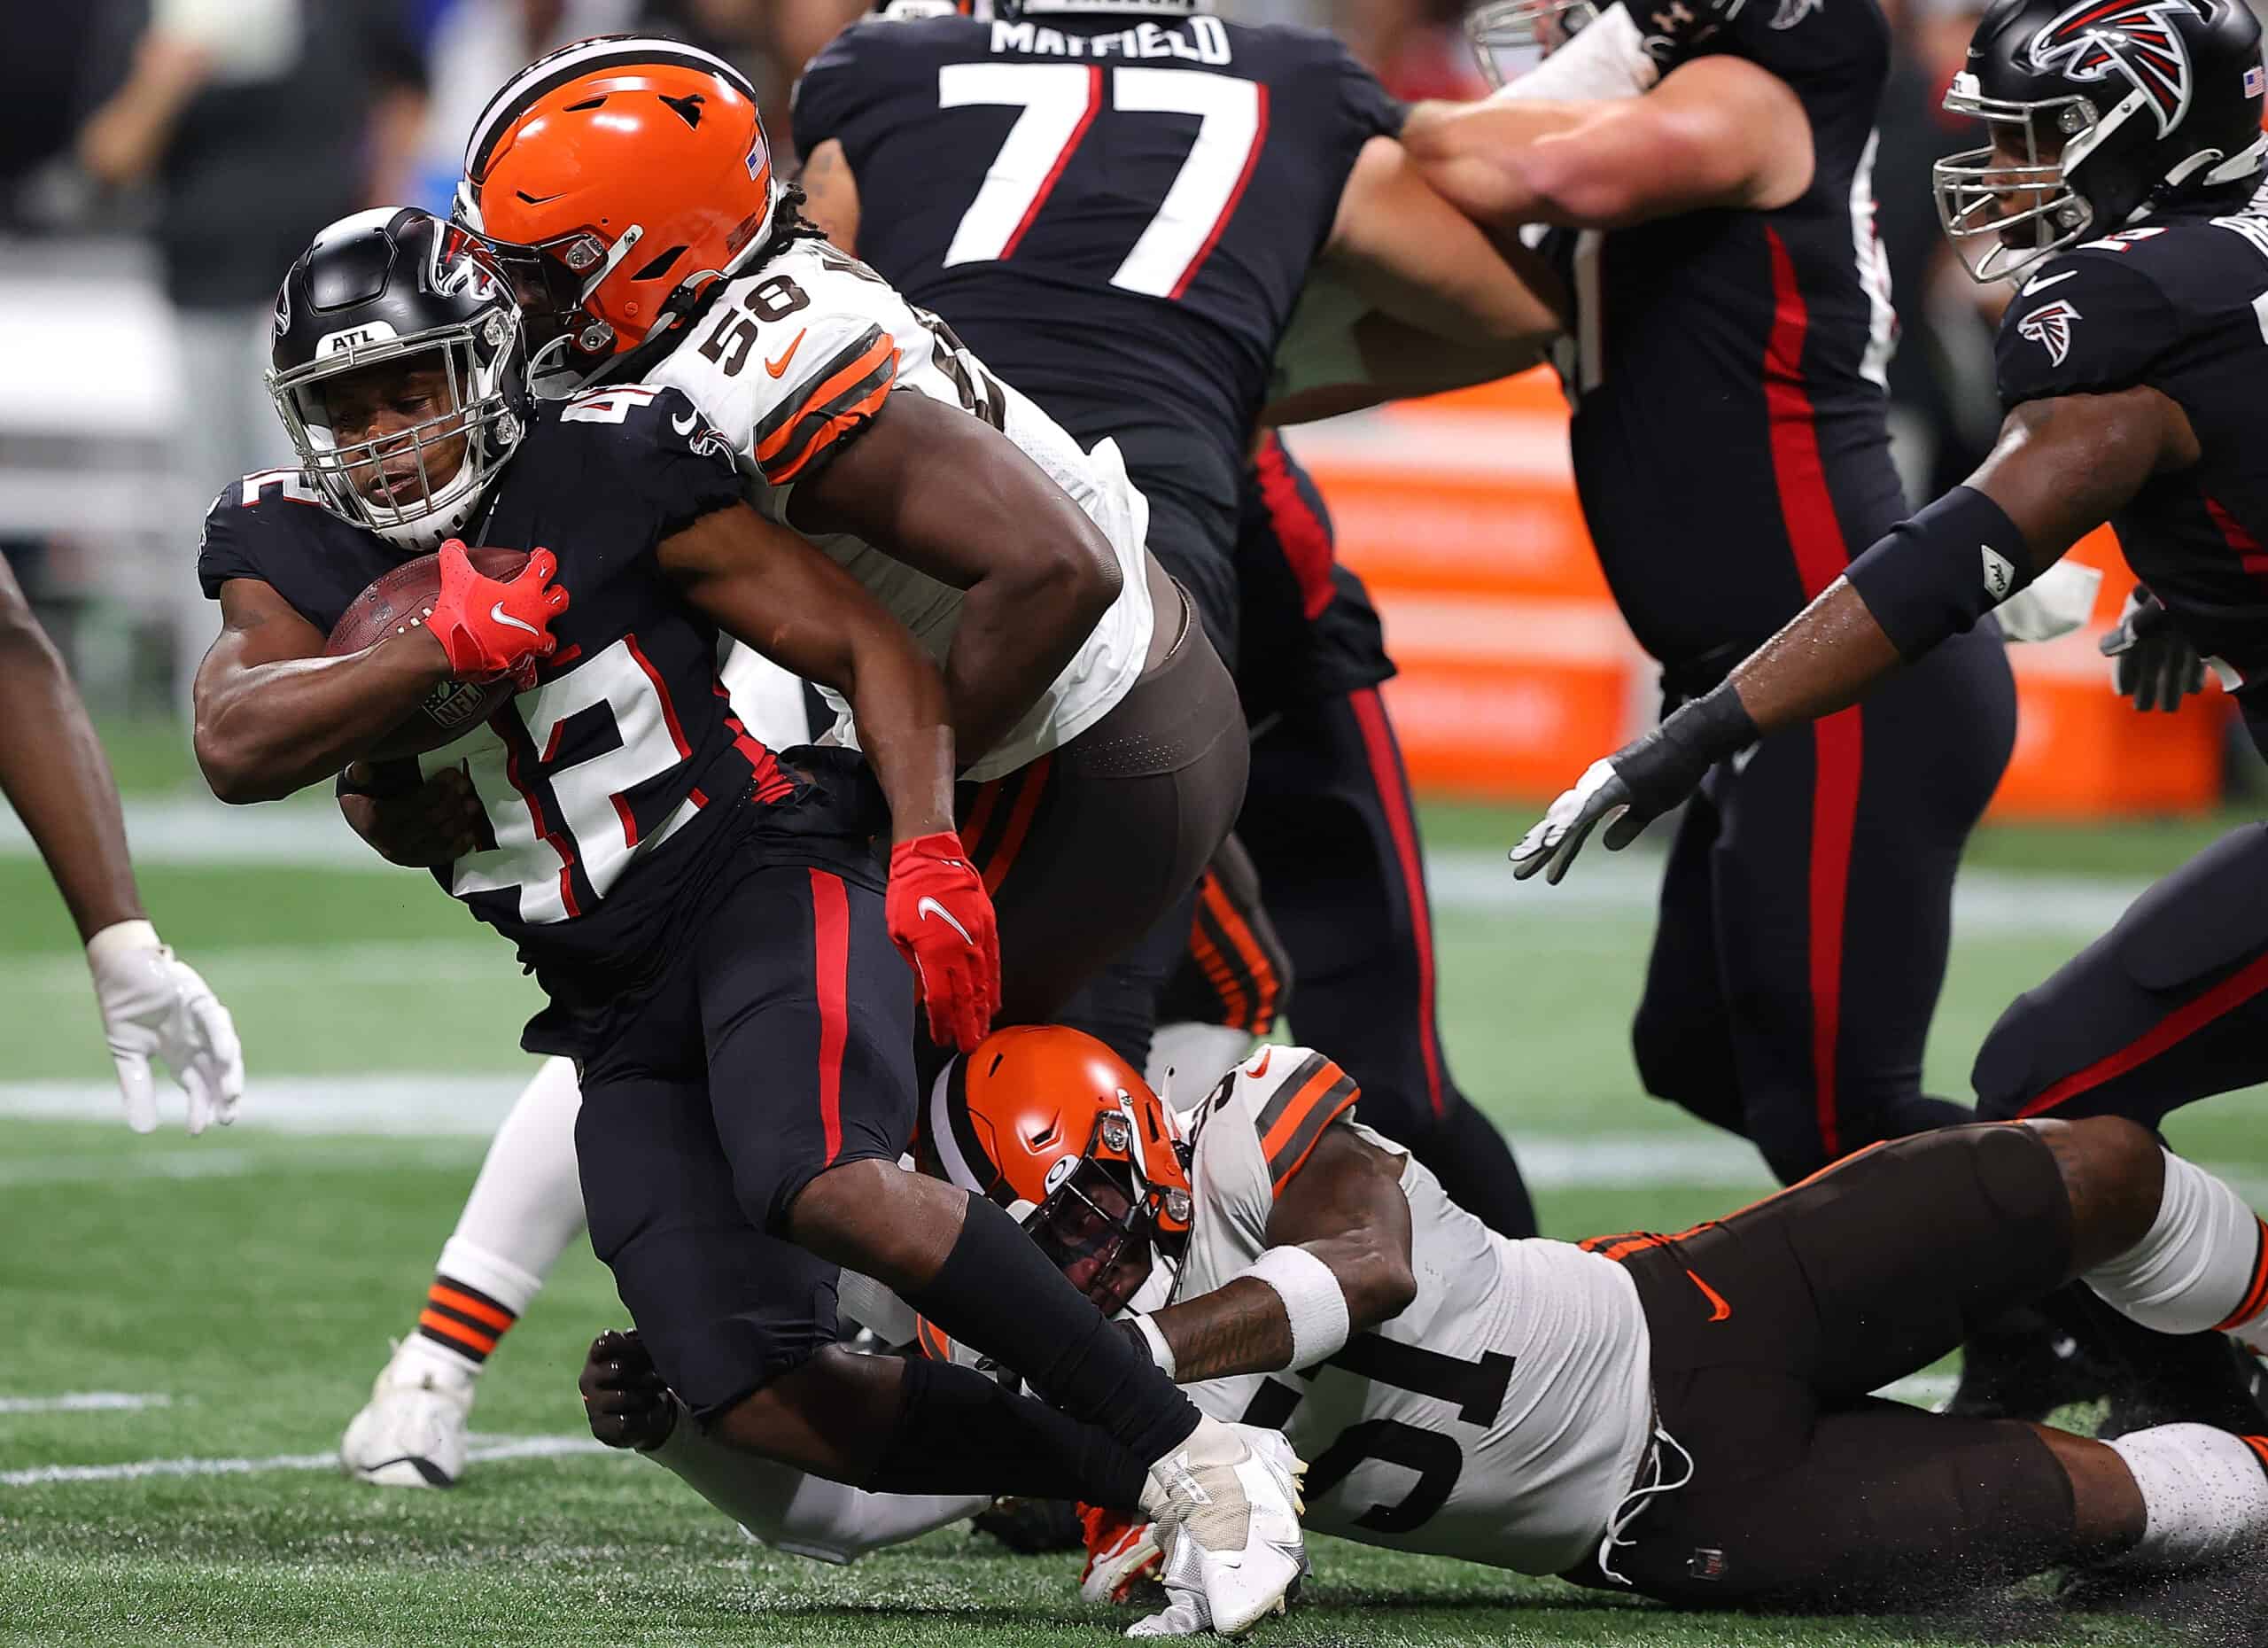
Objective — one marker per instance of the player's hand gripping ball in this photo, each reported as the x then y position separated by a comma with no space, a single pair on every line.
492,611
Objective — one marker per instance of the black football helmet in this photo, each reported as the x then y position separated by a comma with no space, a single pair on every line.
400,285
2100,109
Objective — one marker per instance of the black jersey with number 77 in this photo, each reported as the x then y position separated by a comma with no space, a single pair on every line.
1117,217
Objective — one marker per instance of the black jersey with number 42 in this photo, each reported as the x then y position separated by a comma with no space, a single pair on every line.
1118,219
2180,305
613,787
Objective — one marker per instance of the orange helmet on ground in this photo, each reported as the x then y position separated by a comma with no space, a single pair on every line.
1067,1136
620,178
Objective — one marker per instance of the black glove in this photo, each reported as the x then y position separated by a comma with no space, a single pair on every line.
1637,783
2152,663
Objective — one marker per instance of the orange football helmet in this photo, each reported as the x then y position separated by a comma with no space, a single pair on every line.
1067,1136
620,177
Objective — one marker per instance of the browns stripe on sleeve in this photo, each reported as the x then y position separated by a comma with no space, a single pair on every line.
1315,1095
837,399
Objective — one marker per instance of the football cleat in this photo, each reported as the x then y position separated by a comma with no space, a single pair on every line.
1227,1507
411,1433
1121,1553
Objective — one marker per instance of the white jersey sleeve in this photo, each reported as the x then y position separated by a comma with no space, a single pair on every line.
1500,1418
794,360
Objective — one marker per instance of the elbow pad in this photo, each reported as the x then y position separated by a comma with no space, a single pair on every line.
1937,573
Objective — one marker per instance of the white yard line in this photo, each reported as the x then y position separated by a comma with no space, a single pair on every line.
194,830
444,1109
484,1451
87,1402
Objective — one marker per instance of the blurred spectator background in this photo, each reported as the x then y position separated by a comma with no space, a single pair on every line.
162,160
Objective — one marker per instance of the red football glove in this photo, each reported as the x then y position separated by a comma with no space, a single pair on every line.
1121,1552
491,627
941,917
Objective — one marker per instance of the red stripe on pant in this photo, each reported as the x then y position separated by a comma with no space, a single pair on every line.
1393,798
831,953
1807,511
1303,535
2183,1022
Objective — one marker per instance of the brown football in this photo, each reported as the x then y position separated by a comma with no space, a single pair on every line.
386,608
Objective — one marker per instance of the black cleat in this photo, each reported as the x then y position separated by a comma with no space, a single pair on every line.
1032,1528
2024,1367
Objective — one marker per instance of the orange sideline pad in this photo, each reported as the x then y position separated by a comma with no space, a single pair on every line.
1517,672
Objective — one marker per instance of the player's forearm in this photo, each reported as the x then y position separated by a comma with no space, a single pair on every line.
266,730
55,776
898,702
1245,1326
1473,154
1827,659
1018,628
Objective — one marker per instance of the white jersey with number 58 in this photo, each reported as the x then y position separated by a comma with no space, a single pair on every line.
794,357
1500,1418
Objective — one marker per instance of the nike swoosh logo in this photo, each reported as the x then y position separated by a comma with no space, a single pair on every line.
2045,281
1715,1299
684,425
1259,1065
499,615
780,365
928,907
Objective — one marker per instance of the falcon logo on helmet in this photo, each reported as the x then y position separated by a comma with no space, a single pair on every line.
2050,327
2094,39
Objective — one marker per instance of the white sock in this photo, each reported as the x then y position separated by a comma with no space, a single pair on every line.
2205,1492
526,1206
2203,1264
809,1516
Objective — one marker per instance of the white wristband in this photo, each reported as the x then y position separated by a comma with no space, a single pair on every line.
1312,1299
1161,1352
121,938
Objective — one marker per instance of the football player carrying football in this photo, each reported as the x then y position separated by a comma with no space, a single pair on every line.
1685,1415
709,923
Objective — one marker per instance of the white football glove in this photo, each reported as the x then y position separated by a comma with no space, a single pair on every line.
155,1006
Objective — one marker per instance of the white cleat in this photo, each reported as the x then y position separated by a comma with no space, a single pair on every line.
1227,1506
412,1432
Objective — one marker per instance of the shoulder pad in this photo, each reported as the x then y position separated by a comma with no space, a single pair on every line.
250,518
792,357
2089,322
1287,1096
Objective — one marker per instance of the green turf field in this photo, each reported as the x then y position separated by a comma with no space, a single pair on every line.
217,1306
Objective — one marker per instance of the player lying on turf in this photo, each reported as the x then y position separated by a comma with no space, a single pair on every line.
1684,1415
709,924
53,774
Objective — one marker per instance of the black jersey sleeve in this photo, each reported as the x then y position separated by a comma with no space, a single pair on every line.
826,96
242,533
2088,324
651,445
1368,110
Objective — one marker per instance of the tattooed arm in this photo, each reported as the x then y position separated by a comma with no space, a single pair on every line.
1345,1206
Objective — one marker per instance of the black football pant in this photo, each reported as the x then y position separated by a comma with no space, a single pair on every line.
2170,1006
1329,824
1767,1330
1806,909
